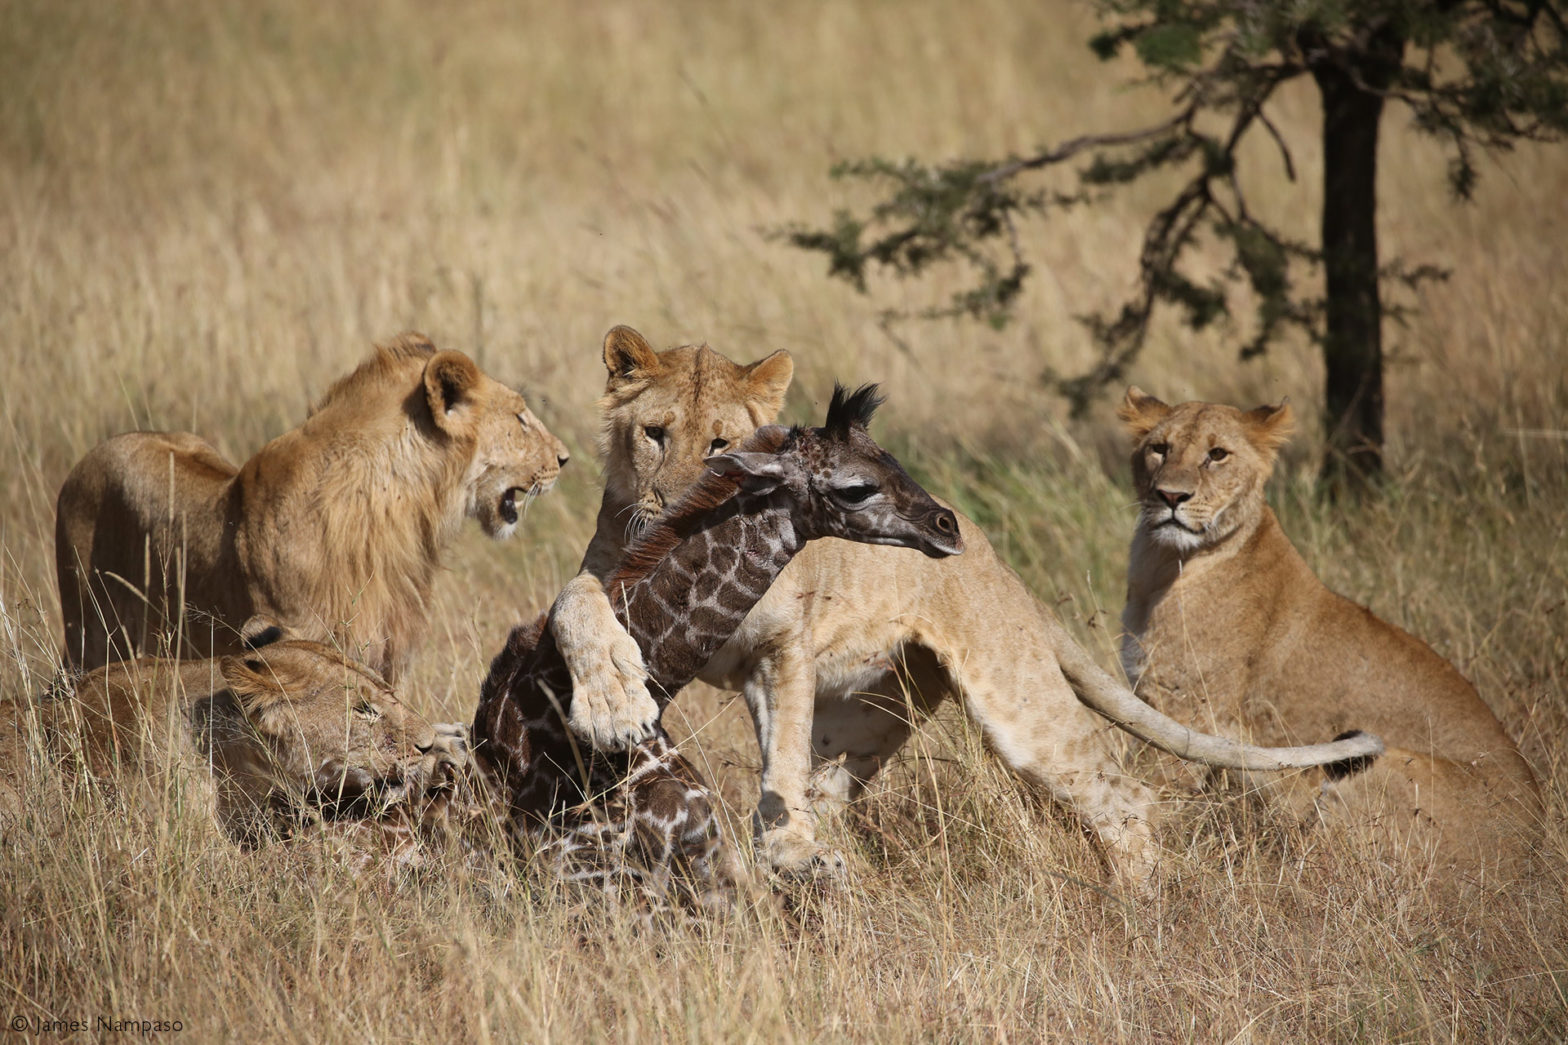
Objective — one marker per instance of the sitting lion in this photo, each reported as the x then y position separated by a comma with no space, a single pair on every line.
336,527
291,729
1228,628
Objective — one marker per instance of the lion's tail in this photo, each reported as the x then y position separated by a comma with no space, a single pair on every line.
1347,754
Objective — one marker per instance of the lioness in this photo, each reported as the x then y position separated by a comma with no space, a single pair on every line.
1226,625
827,658
336,527
287,730
681,590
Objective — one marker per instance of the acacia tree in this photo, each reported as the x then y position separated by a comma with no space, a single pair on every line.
1476,74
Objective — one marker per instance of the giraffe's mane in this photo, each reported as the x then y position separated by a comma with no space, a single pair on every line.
712,490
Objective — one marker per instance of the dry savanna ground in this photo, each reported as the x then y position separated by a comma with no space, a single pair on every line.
208,211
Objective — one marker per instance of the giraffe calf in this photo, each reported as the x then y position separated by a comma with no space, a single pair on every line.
645,815
642,821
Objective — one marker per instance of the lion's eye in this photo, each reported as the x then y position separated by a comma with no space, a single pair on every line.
1219,453
1159,449
654,432
522,419
718,445
365,709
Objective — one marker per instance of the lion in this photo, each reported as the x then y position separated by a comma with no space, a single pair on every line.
285,733
852,639
1226,624
336,527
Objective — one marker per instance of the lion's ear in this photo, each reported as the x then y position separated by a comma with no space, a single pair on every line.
767,380
1141,412
261,630
251,680
1270,426
243,671
450,379
628,355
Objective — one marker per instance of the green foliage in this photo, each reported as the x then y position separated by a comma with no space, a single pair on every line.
1170,46
1477,74
956,211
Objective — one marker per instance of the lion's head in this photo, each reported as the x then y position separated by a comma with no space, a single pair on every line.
666,412
515,457
1200,468
299,723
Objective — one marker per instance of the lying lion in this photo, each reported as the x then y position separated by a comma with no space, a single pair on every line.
336,527
281,735
1227,626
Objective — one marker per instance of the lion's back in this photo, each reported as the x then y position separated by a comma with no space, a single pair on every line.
140,517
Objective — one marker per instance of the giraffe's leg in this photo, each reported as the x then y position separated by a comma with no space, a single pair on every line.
656,832
676,823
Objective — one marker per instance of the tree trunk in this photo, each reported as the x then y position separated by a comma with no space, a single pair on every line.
1353,341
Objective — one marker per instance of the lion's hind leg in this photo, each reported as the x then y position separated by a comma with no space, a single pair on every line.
1034,721
1434,818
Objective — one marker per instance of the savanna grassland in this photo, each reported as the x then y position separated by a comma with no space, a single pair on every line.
209,211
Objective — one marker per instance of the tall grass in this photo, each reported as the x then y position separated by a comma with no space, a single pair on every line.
208,212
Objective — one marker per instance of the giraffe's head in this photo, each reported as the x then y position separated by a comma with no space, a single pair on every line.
841,483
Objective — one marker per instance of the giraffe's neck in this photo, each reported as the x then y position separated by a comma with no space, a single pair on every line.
691,600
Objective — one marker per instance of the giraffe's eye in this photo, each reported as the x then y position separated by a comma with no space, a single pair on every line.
718,445
1219,453
654,432
856,494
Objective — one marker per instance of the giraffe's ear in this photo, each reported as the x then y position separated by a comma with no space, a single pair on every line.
757,472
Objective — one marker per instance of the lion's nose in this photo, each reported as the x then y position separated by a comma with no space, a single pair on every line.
562,457
1174,497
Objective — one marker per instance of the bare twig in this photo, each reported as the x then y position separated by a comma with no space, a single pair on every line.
1072,148
1279,140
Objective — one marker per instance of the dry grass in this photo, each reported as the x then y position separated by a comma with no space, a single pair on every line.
208,211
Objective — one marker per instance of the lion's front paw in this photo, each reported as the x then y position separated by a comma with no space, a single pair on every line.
621,716
794,855
450,745
612,709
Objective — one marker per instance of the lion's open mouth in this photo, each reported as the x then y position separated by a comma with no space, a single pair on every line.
508,507
357,793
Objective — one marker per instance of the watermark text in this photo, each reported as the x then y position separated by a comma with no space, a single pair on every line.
99,1025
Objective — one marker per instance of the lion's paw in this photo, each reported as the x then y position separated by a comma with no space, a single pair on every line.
795,856
612,709
450,744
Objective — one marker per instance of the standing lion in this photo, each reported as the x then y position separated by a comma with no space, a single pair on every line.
335,528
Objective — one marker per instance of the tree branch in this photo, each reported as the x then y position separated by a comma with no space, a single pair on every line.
1068,150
